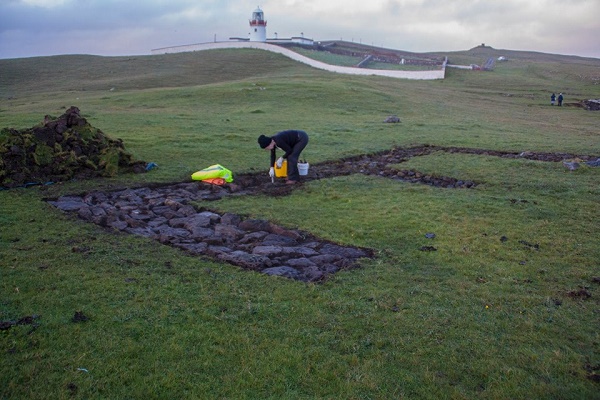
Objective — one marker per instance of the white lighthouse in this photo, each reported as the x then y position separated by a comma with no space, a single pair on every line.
258,26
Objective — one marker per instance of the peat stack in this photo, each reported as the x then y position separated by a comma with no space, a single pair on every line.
61,149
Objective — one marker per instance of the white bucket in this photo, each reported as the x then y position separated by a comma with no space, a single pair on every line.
303,168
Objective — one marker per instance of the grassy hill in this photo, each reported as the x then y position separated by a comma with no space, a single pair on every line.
94,73
82,72
505,308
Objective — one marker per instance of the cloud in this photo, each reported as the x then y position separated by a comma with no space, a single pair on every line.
120,27
44,3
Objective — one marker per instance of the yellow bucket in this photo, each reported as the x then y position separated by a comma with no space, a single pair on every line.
281,172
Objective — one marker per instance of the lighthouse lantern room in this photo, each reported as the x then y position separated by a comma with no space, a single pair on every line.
258,26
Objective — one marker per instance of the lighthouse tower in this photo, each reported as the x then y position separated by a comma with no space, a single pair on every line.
258,26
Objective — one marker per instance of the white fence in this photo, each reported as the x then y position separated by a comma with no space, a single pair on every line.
415,75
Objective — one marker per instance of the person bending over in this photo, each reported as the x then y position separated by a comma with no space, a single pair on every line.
292,142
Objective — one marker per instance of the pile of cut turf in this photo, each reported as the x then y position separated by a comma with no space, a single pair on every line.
61,149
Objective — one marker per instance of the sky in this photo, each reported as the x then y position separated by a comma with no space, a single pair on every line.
30,28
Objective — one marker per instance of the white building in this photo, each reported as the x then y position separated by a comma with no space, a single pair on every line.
258,26
258,32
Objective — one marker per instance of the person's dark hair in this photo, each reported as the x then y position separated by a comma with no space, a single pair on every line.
264,141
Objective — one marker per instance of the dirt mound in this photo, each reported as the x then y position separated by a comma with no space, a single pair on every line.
60,149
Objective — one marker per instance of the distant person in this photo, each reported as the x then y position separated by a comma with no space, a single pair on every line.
552,99
292,142
560,99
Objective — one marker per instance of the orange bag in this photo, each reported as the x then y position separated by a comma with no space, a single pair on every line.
215,181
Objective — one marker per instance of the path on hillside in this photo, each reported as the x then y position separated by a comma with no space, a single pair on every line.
413,75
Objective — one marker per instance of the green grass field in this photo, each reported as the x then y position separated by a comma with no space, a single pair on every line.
488,315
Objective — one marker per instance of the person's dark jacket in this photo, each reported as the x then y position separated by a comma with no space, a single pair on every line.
285,140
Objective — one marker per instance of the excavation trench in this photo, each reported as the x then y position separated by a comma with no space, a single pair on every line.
183,215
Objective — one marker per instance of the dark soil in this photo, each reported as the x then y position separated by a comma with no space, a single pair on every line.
79,316
27,320
386,164
582,293
593,372
180,214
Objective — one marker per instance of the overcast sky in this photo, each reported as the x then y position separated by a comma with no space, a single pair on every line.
124,27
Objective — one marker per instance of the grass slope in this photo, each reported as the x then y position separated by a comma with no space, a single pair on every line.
487,315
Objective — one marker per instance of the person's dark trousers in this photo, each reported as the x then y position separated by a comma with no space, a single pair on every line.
292,159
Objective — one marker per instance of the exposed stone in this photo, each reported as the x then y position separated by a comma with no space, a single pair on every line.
229,232
168,234
325,258
278,240
162,209
187,210
68,204
278,230
219,251
300,263
200,233
345,252
330,268
157,221
253,237
132,222
178,222
285,271
246,260
313,273
298,251
201,220
84,212
231,219
213,217
214,240
173,204
254,225
268,251
118,225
